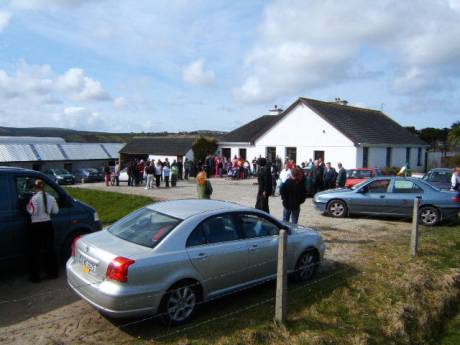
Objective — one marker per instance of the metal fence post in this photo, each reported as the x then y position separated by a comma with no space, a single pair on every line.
281,280
414,235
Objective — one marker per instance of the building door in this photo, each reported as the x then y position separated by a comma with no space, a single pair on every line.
270,153
242,153
318,154
227,152
365,157
291,153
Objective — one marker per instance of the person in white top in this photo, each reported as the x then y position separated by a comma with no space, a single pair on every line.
455,180
41,233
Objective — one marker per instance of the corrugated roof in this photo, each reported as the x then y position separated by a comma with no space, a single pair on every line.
84,151
31,140
49,152
16,153
113,149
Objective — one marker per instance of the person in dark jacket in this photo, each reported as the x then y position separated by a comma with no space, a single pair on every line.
264,179
341,176
293,194
329,177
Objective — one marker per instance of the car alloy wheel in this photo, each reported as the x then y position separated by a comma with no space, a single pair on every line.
429,216
306,266
337,208
180,304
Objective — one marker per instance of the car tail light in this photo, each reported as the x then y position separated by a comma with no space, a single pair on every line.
118,269
456,198
74,245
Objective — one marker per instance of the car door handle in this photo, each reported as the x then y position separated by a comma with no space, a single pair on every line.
202,256
382,196
253,247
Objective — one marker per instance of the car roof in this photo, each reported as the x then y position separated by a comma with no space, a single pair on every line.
365,169
189,207
8,169
442,169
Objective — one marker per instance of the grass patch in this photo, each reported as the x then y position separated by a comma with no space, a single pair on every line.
110,206
383,297
451,334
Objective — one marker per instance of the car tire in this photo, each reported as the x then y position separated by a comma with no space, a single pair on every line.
429,216
306,266
337,208
179,304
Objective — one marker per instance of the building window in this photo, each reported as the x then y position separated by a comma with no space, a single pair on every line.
291,153
408,156
365,157
388,158
419,156
227,152
318,154
242,153
270,153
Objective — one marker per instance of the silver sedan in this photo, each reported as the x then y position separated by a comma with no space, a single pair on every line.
170,256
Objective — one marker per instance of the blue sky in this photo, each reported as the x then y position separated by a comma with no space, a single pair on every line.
186,65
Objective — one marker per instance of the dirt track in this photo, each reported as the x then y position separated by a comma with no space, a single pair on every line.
50,313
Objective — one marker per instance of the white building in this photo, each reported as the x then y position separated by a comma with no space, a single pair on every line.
334,131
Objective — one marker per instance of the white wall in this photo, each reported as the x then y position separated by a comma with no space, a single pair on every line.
377,157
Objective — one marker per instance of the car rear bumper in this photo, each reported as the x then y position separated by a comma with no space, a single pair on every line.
108,298
449,213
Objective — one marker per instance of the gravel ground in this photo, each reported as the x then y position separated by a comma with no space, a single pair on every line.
49,313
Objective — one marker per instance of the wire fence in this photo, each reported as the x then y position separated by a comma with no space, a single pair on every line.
181,330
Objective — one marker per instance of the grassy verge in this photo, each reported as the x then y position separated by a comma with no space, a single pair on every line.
110,206
451,335
381,297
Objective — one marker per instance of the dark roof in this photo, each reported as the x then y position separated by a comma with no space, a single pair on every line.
249,132
158,146
360,125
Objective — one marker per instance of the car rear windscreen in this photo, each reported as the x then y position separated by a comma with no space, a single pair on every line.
144,227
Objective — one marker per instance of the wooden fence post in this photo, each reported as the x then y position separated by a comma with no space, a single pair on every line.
414,234
281,279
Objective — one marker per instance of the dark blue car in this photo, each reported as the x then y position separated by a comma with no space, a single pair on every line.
439,177
390,196
16,188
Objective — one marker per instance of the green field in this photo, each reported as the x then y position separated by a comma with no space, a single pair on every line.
109,205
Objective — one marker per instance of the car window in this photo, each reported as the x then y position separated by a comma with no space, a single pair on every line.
440,176
256,226
378,186
25,187
401,186
144,227
219,229
197,238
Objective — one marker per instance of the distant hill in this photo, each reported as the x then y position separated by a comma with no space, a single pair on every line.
71,135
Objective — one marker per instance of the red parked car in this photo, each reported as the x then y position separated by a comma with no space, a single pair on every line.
355,176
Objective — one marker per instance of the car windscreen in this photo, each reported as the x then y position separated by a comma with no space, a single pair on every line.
359,185
61,172
424,184
144,227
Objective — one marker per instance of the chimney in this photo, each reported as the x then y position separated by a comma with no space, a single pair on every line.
338,100
275,110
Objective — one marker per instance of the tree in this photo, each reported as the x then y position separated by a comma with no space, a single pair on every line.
454,134
204,146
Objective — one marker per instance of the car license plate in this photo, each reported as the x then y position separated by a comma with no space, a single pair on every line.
88,266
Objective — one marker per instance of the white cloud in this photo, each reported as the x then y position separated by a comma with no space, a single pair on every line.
80,87
47,4
120,102
195,74
4,20
79,118
308,45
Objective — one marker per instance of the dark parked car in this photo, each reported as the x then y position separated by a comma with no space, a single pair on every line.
87,175
390,196
61,176
17,186
439,177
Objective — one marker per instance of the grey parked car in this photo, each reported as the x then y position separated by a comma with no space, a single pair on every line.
168,257
390,196
439,177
